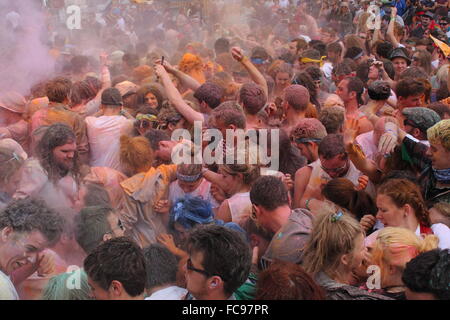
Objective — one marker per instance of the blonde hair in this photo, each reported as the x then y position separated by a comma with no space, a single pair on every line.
440,133
136,153
331,238
397,246
443,208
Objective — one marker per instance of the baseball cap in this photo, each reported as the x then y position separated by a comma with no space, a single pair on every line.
112,97
126,88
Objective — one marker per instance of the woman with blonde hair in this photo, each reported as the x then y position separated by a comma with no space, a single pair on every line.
335,253
393,249
400,204
145,212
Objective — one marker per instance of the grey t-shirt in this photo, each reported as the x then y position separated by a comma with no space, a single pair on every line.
289,242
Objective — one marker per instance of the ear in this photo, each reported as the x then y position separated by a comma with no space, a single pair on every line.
345,259
215,283
106,237
232,127
171,127
116,288
416,133
6,233
408,210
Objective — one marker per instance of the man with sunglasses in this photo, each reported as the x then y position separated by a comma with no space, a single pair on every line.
333,162
219,263
443,23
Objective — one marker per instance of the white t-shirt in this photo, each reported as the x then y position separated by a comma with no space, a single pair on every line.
170,293
365,140
104,139
7,289
440,230
203,191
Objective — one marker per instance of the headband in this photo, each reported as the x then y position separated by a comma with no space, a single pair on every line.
306,60
358,55
186,178
149,117
305,140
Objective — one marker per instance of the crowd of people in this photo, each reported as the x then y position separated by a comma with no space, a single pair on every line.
354,97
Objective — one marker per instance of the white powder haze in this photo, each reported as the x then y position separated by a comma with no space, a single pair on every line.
24,57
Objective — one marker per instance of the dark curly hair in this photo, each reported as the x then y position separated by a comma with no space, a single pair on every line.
118,259
58,134
27,215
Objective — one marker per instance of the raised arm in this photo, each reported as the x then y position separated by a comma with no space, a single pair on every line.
186,80
175,97
254,73
93,106
214,178
390,31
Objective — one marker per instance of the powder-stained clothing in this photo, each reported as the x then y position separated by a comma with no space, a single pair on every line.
104,139
288,243
35,183
142,192
339,291
57,112
19,132
109,179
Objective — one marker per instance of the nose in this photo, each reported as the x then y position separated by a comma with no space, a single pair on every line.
70,155
378,216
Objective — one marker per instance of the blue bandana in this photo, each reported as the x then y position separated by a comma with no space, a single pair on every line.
442,176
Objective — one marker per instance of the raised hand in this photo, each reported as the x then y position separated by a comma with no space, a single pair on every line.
237,53
367,222
45,264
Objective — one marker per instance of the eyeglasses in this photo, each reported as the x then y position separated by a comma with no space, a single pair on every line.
335,170
189,266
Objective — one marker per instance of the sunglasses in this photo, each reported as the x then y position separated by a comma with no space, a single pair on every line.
335,170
